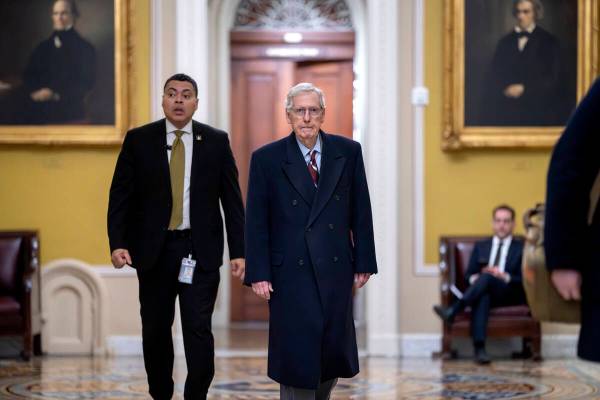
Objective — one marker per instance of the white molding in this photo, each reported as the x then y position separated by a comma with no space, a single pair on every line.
559,346
156,58
412,345
70,267
383,157
108,271
191,42
420,267
384,345
423,345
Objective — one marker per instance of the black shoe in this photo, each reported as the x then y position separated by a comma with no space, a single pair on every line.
446,314
481,356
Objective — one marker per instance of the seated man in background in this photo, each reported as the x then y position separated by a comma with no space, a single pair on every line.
494,279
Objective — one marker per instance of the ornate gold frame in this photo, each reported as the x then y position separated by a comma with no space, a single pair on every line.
92,134
455,135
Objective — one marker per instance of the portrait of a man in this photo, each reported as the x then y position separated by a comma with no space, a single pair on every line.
520,69
62,77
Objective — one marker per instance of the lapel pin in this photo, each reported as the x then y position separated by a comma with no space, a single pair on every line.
198,137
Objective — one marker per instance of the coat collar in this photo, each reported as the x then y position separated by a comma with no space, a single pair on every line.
332,166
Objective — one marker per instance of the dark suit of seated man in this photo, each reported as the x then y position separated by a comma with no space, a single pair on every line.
494,279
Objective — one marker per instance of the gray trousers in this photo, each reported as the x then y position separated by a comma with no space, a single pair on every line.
322,393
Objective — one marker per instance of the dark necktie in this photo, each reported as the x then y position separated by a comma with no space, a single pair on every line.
524,34
313,170
498,254
177,170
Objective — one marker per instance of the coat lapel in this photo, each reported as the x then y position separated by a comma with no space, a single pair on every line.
199,148
160,137
295,169
510,256
332,166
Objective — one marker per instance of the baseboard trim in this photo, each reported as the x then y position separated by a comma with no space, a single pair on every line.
411,345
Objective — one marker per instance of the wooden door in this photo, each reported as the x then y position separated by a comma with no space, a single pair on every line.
258,117
335,79
258,90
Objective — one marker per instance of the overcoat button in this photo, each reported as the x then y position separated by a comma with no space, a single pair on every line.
331,226
335,259
337,197
300,262
308,229
294,202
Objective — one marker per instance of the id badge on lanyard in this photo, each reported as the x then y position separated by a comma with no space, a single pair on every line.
186,273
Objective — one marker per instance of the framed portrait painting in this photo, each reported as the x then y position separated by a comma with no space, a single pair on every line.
515,69
65,71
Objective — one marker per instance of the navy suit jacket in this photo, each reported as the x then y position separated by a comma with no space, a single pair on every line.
140,201
481,255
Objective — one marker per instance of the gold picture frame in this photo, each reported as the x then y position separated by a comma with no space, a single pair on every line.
457,134
89,131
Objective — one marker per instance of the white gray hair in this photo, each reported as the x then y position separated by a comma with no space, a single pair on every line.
301,88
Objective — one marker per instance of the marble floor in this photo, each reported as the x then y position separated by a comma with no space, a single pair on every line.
241,374
245,378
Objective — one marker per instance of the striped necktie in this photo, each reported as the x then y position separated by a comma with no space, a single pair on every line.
312,167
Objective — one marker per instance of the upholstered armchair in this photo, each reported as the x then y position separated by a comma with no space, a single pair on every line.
455,252
20,303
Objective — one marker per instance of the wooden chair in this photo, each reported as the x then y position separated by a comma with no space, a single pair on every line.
509,321
19,278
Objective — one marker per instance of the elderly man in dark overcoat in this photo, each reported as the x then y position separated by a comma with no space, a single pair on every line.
309,238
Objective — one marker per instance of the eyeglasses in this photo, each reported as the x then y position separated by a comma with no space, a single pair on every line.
312,111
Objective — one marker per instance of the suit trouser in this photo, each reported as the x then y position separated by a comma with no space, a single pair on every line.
487,292
293,393
158,289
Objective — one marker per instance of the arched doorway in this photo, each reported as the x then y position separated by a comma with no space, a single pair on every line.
274,45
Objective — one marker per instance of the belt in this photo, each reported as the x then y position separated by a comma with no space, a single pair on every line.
179,234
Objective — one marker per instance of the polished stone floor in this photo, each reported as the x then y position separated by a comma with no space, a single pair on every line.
245,378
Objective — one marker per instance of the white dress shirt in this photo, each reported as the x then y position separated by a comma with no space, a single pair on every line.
503,255
523,40
504,252
306,152
188,141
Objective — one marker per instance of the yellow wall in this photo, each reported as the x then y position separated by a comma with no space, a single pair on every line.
461,188
62,191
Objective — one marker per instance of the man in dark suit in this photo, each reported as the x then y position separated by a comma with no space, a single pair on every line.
59,74
525,83
493,276
164,219
309,237
572,226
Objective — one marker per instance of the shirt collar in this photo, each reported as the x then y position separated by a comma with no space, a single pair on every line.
305,150
505,241
530,29
172,128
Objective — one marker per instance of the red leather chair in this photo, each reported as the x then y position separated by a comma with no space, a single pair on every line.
455,252
19,277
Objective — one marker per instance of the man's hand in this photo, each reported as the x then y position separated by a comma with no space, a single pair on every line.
514,91
238,268
263,289
361,278
495,272
120,257
568,283
44,94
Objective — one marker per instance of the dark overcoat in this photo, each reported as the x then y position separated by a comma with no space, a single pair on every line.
568,240
308,242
